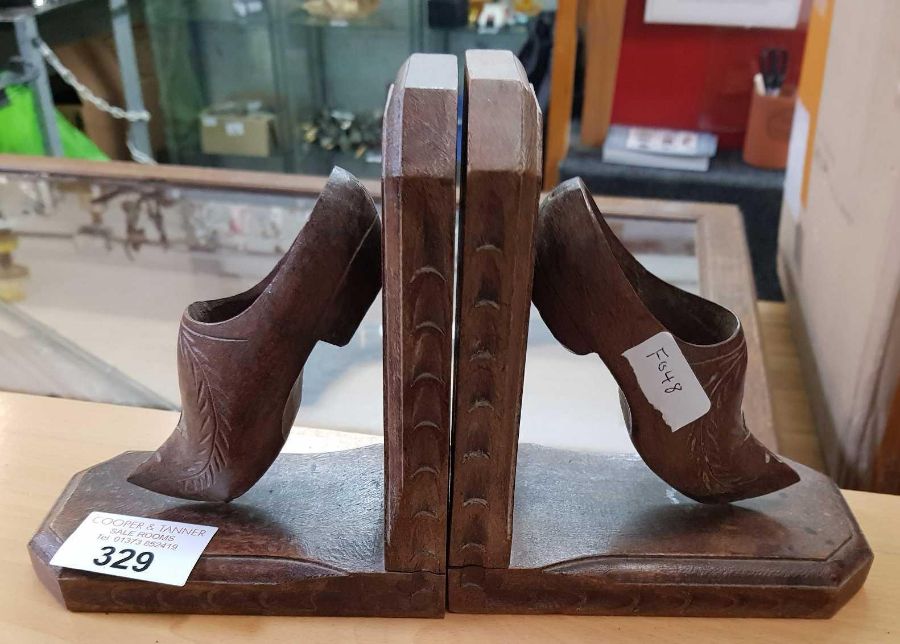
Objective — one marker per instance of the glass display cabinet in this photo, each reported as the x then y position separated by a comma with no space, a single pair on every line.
290,85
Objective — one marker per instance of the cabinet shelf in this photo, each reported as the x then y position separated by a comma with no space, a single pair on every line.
208,52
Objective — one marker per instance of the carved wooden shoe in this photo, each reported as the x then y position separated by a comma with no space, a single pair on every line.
679,359
240,359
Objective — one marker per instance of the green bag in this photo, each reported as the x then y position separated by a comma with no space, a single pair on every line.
20,132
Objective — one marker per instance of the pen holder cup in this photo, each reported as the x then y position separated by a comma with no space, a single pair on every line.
768,130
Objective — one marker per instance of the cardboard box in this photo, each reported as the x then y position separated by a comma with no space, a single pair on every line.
242,129
839,241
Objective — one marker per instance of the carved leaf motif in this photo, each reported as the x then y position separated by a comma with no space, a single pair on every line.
209,435
712,462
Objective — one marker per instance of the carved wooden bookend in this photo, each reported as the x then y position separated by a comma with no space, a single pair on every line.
308,538
240,359
387,531
600,534
419,197
499,198
684,416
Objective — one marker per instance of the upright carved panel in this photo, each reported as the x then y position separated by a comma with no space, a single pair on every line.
501,186
419,207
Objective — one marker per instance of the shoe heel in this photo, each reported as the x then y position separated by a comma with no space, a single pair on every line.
553,278
356,292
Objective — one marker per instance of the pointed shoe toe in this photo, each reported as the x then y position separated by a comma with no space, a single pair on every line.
167,472
679,360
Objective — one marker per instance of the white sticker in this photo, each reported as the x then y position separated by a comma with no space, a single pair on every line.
209,121
234,128
135,547
667,380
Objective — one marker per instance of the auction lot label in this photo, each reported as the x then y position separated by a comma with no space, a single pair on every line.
667,380
135,547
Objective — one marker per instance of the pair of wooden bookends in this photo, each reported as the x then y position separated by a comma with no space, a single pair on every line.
392,532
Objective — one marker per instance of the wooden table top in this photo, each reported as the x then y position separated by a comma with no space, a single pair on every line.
44,441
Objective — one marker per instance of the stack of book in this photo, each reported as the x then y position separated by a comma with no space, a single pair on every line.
650,147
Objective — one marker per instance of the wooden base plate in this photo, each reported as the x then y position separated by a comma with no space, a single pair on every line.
593,534
306,540
600,534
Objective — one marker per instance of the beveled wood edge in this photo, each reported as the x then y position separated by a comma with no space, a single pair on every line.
819,602
305,185
67,584
175,175
854,549
63,582
496,79
724,259
828,584
836,580
404,157
851,558
47,540
484,64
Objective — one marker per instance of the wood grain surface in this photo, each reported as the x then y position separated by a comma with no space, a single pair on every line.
419,212
306,540
502,131
600,534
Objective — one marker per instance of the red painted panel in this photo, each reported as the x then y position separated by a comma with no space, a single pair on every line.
693,77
